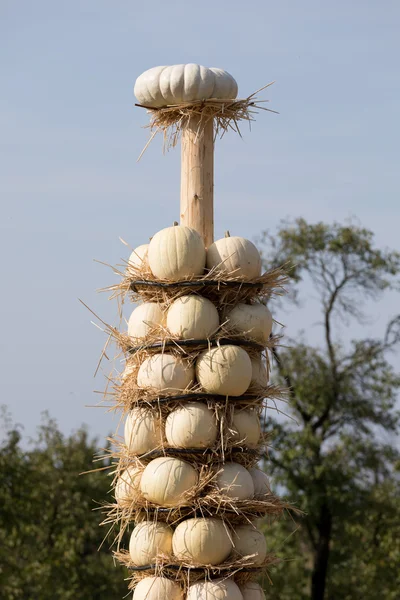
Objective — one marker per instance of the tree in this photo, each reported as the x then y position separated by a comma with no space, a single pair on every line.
49,533
338,462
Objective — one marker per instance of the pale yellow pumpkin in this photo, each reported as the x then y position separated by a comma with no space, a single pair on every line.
259,376
225,370
192,317
192,425
252,320
248,540
246,428
138,258
142,430
145,318
262,486
234,256
217,589
201,541
166,480
127,487
149,539
165,372
157,588
252,591
177,253
235,481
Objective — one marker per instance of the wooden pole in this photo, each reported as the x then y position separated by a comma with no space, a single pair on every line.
197,178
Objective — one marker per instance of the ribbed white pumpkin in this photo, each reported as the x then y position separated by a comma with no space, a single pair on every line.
143,319
157,588
249,540
192,425
236,256
162,372
177,253
166,479
192,317
246,428
224,370
138,257
262,486
252,320
235,481
161,86
201,541
127,487
217,589
259,377
149,539
252,591
142,431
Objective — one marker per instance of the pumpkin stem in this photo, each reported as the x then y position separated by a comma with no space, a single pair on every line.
227,234
175,223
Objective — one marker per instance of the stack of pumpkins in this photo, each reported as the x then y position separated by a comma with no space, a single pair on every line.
217,373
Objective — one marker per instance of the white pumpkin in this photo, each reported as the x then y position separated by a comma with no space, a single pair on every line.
234,256
248,540
142,431
252,591
149,539
177,253
262,486
192,317
128,370
165,480
138,257
143,319
127,487
165,372
235,481
246,428
225,370
252,320
217,589
192,425
166,85
260,376
201,541
157,588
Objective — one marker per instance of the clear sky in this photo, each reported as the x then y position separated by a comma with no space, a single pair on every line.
70,137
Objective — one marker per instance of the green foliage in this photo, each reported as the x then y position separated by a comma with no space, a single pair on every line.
49,533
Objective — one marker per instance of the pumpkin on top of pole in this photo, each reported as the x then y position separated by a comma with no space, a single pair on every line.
188,488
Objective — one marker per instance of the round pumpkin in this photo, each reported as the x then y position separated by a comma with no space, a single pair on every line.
234,256
162,372
143,319
252,591
177,253
127,487
248,540
142,431
246,428
259,376
217,589
201,541
235,481
225,370
192,317
165,480
262,486
175,84
251,320
138,257
192,425
157,588
149,539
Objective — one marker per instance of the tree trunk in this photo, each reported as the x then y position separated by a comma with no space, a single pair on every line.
321,556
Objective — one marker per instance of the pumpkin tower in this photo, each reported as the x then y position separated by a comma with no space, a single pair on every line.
190,493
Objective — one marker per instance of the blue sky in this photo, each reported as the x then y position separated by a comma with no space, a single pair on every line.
70,183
